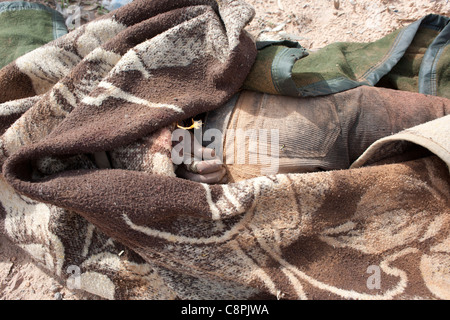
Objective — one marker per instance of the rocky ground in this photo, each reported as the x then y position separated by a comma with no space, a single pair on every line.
312,23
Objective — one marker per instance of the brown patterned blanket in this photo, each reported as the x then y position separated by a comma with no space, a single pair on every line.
377,231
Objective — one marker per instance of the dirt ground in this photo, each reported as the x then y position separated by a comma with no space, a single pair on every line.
312,23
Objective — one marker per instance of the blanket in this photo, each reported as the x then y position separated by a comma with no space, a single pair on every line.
119,84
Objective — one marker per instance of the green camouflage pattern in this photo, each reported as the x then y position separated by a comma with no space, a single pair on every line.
414,58
25,26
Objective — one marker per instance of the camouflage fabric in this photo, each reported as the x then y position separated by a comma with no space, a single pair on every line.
415,58
25,26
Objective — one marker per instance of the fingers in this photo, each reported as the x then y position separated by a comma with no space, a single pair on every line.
210,178
208,153
224,180
208,166
210,170
198,149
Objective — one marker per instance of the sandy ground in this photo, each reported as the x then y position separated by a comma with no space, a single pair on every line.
22,279
312,23
317,23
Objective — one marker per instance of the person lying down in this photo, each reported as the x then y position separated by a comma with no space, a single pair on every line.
268,134
257,134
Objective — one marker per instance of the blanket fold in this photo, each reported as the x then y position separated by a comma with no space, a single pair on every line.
119,84
188,65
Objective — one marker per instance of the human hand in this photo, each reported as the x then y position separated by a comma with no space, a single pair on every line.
210,170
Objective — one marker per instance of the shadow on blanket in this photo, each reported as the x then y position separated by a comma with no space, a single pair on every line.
138,232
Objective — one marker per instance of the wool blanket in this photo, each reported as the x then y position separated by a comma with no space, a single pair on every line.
136,231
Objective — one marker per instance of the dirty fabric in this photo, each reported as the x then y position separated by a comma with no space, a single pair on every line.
414,58
25,26
135,231
265,133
